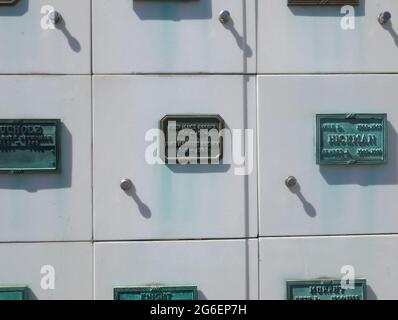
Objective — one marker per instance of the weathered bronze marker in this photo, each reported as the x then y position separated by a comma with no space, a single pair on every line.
156,293
29,145
347,139
322,2
326,290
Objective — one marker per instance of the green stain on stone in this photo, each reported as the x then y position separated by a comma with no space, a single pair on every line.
164,193
169,39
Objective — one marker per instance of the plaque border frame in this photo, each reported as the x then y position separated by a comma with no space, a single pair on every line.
167,117
56,169
318,3
379,116
291,283
137,290
19,289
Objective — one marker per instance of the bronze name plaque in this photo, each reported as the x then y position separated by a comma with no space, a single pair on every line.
326,290
322,2
350,139
156,293
29,145
192,139
13,293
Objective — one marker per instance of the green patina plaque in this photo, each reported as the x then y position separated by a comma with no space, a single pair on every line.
325,290
13,293
322,2
196,139
156,293
29,145
347,139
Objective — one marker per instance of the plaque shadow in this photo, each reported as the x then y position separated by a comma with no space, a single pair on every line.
15,10
201,295
74,44
31,294
366,175
33,182
174,10
326,11
370,294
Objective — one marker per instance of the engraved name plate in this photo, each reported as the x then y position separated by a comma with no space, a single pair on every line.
325,290
194,138
322,2
13,293
347,139
156,293
29,145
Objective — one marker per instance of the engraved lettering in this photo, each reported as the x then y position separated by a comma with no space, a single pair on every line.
28,145
352,140
196,139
